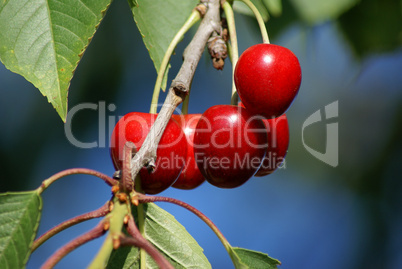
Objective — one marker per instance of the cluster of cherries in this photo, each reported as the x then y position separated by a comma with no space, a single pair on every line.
227,144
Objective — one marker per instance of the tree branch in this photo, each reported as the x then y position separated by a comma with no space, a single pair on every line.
194,50
179,87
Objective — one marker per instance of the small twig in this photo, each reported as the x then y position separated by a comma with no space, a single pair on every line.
100,212
46,183
96,232
138,240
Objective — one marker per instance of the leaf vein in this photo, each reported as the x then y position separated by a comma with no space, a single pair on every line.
58,92
93,13
157,222
70,31
69,16
36,39
23,26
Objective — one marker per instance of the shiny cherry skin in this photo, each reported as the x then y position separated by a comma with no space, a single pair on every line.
278,143
267,79
191,177
171,151
229,145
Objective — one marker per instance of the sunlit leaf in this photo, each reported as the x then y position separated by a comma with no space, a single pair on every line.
254,259
169,237
43,40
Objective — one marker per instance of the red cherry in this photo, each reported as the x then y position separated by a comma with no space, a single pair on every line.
171,152
267,79
190,177
278,143
229,145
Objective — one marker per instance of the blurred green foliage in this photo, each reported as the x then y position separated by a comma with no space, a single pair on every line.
373,26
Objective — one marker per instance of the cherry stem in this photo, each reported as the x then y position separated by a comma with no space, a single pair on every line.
141,226
128,186
147,199
260,20
234,51
139,241
100,212
194,17
115,223
73,171
184,108
141,220
96,232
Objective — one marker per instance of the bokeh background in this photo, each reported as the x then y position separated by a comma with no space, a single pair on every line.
308,215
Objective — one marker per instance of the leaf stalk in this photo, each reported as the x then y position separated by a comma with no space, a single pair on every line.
96,232
73,171
100,212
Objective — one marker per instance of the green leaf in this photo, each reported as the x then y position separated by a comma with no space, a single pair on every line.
43,40
316,11
19,219
254,259
274,7
159,21
169,237
240,7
